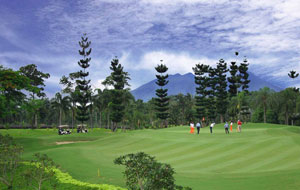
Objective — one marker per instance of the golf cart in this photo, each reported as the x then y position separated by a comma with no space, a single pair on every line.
64,130
82,128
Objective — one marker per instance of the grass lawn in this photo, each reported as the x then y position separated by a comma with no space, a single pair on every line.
263,156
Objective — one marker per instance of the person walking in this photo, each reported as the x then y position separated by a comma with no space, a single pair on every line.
226,128
231,126
198,125
192,128
211,127
239,123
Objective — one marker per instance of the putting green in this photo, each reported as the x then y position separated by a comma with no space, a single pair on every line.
263,156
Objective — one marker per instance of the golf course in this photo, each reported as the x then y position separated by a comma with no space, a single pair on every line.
262,156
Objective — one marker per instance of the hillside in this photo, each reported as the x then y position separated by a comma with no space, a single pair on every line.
185,84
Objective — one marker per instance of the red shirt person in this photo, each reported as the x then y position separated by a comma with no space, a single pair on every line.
239,128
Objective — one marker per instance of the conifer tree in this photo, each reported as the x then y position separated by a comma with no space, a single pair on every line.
201,80
293,74
83,87
162,100
234,79
118,79
243,68
211,92
221,89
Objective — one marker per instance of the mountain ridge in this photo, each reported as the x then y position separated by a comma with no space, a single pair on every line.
185,84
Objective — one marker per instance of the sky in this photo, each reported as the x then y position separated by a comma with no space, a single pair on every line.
140,33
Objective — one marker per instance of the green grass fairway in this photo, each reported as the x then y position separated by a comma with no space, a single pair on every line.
263,156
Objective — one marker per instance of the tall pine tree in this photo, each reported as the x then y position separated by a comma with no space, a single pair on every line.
244,81
211,92
201,80
234,79
162,100
83,87
221,89
293,74
118,79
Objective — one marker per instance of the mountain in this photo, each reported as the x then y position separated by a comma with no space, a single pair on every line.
185,84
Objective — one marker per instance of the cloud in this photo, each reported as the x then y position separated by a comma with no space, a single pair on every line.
176,62
140,33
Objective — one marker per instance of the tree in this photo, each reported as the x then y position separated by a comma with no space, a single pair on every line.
293,75
262,99
145,173
244,81
83,87
201,80
10,157
211,93
221,89
287,100
118,79
62,104
68,83
99,104
162,100
12,84
41,171
234,79
37,79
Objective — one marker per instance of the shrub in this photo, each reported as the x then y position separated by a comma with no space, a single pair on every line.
144,172
43,171
10,157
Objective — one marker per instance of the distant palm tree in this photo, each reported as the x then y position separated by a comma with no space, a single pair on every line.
263,98
61,103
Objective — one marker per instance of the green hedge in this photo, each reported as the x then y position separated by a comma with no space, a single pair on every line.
65,181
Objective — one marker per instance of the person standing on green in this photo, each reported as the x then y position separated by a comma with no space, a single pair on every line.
198,125
239,123
211,126
226,126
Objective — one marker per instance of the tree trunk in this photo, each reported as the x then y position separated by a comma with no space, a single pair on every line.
222,118
91,117
96,119
100,119
286,118
35,120
265,113
40,185
72,119
60,116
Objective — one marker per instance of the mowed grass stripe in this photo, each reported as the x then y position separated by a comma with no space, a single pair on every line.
281,159
182,149
268,157
230,162
183,160
208,160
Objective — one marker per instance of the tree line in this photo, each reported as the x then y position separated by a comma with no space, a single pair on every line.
221,94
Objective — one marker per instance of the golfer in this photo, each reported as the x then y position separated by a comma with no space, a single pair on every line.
192,128
239,128
226,126
231,124
198,125
211,126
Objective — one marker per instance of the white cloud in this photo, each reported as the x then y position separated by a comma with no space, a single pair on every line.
176,62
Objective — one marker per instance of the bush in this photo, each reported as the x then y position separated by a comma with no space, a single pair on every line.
10,157
144,172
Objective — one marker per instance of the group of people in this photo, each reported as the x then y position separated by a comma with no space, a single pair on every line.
226,127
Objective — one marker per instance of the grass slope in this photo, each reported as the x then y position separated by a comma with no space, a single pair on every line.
263,156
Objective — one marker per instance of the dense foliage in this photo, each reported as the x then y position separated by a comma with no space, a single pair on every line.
145,173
